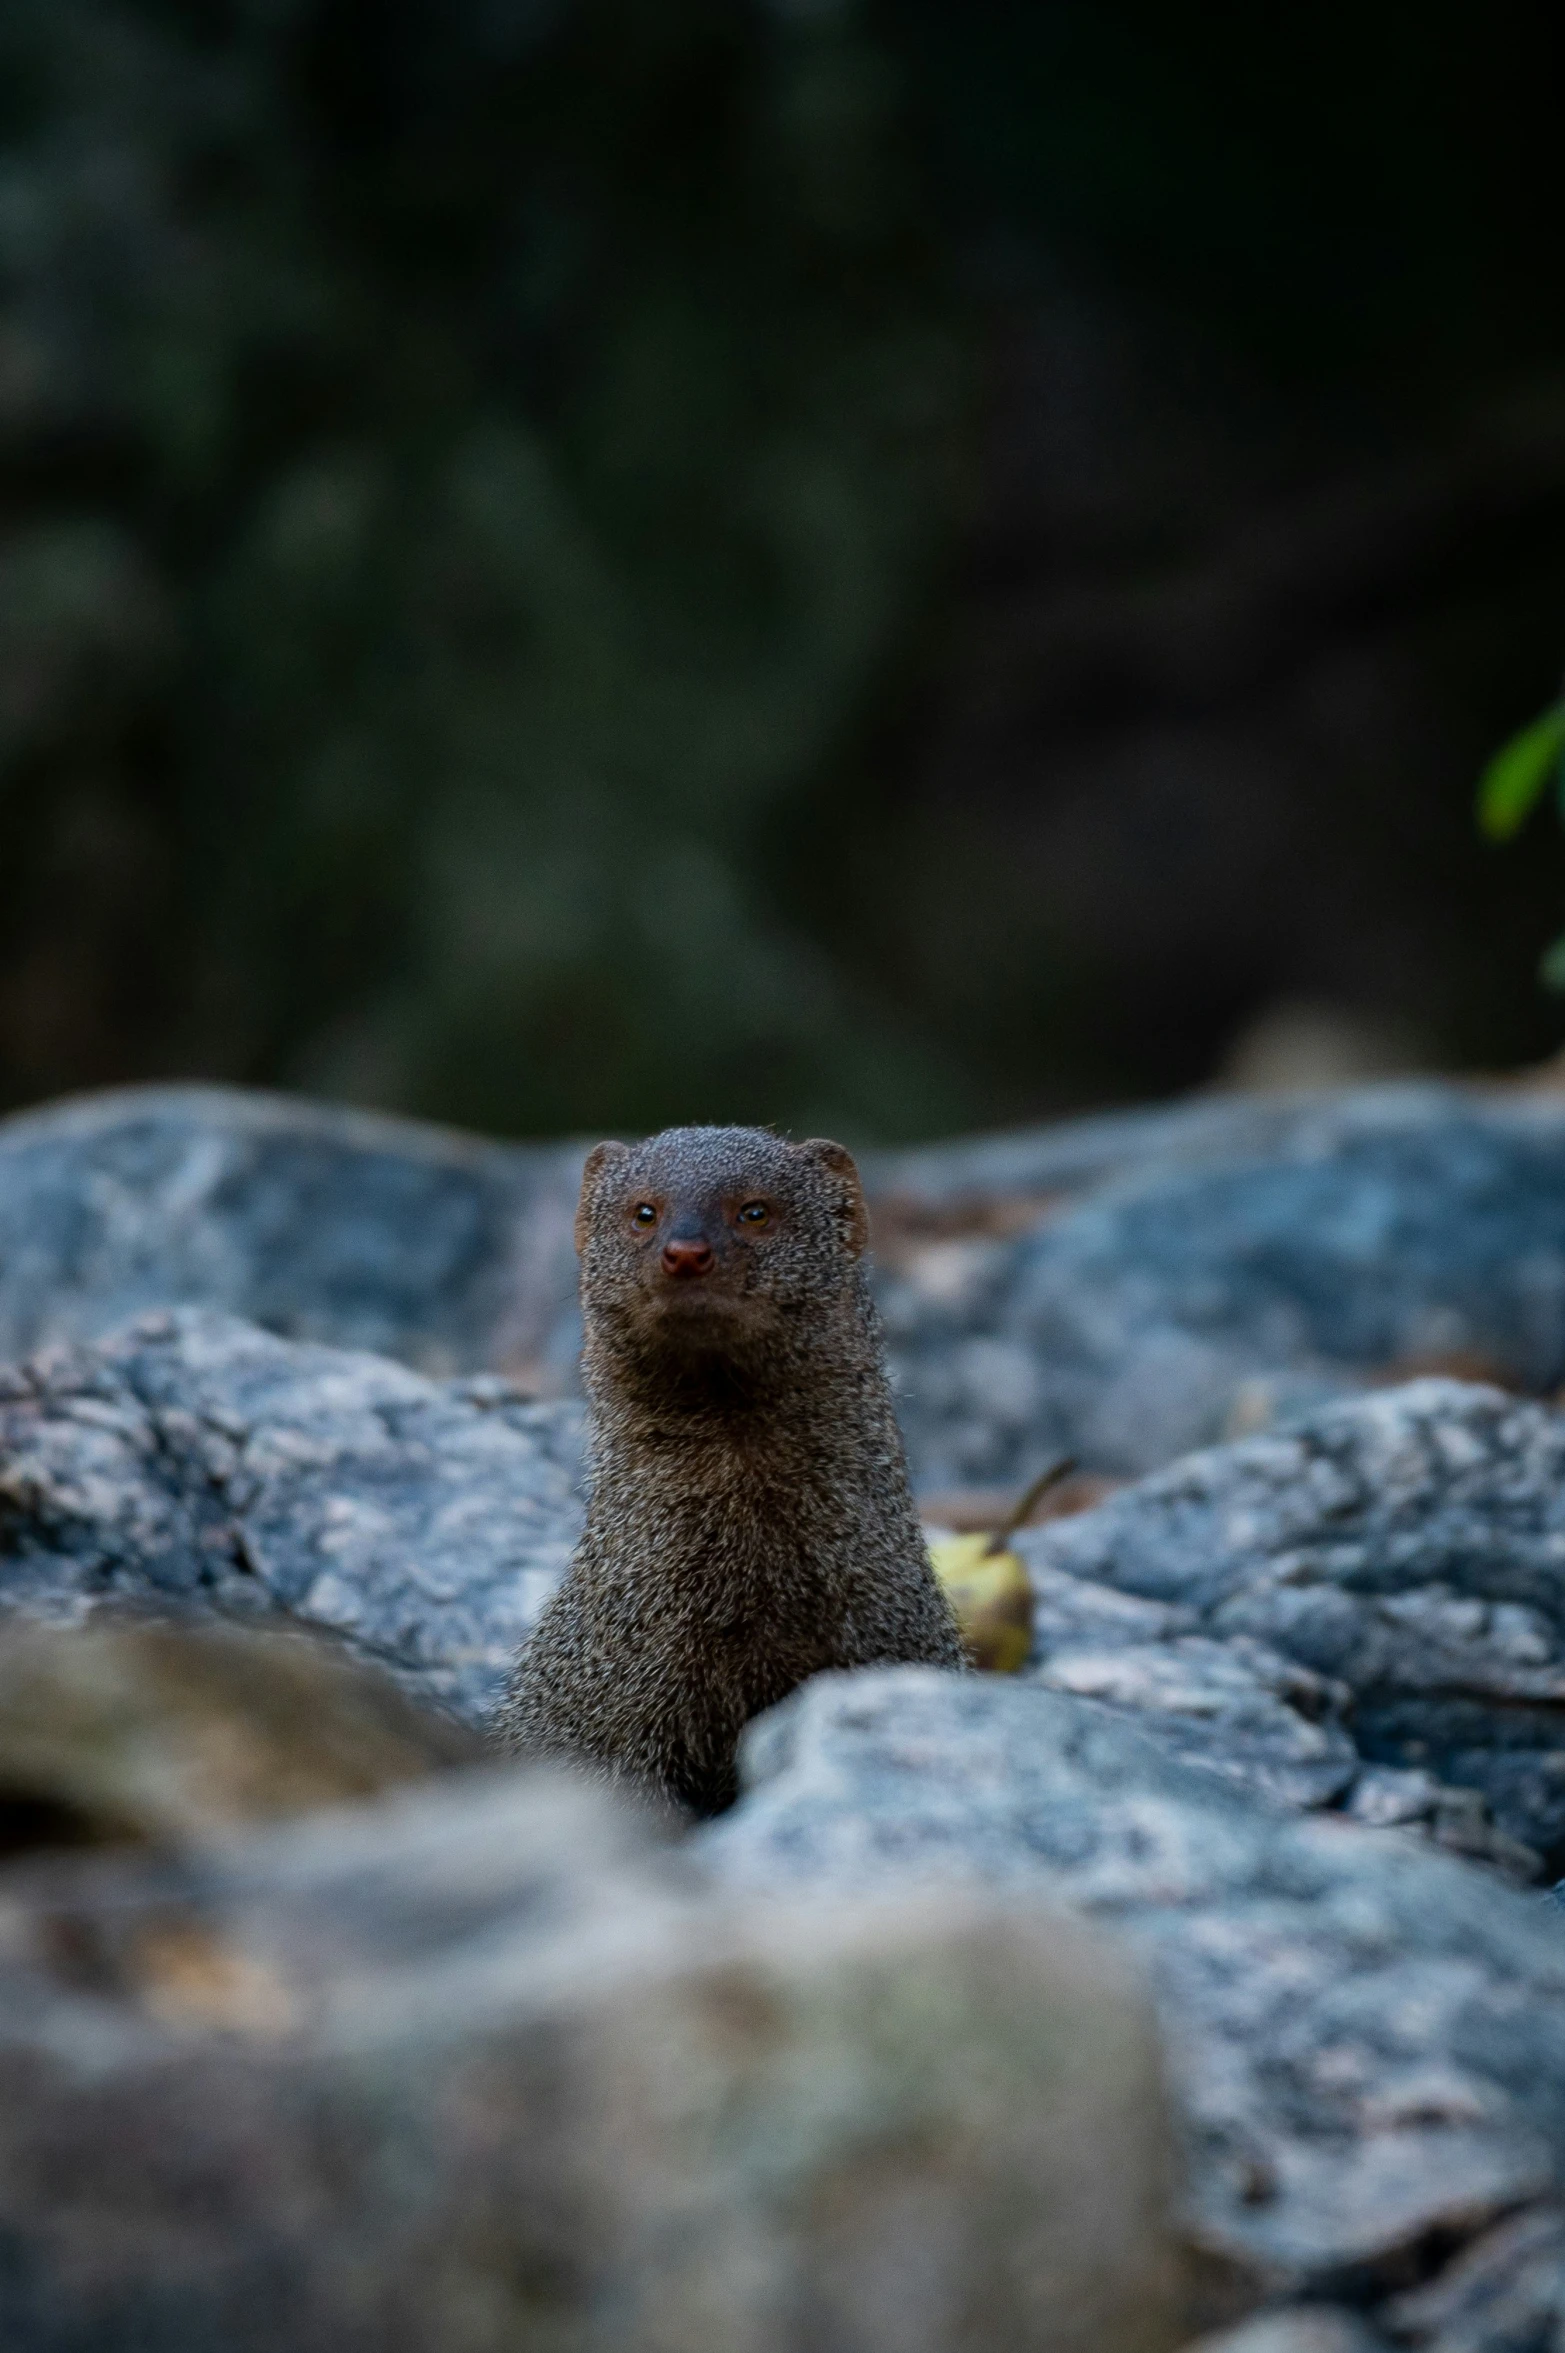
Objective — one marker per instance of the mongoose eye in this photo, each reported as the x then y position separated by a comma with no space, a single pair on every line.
644,1214
754,1213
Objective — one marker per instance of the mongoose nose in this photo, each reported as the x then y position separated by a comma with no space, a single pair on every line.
686,1258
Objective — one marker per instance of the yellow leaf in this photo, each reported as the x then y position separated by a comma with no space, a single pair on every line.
992,1597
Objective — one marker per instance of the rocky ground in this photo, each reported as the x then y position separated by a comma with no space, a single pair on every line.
195,1460
1289,1733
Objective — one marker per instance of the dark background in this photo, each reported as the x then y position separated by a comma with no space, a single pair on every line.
568,564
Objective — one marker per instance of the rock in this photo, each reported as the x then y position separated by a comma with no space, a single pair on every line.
1235,1707
446,1251
1407,1546
197,1463
1070,1610
1385,1798
1379,1230
175,1735
1501,2295
1307,2328
481,2067
994,1183
1366,2037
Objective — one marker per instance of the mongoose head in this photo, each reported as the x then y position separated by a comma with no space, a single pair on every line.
716,1242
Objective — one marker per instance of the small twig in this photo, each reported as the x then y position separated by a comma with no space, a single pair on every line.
1019,1517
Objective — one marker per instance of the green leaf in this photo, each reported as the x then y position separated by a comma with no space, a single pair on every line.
1551,966
1515,778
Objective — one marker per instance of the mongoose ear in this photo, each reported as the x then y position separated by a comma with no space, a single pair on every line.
601,1156
839,1163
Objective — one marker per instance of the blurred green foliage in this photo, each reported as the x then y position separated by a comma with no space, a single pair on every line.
516,434
482,481
1509,790
1520,773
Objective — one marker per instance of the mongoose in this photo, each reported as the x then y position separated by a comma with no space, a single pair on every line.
749,1520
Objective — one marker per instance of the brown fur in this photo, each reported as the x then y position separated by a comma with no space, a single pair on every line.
749,1520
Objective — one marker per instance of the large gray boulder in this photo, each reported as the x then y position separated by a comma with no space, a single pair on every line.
1378,1232
445,1250
1367,2038
482,2068
1407,1548
1238,1708
1013,1177
196,1463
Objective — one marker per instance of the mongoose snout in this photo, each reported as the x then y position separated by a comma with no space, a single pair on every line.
685,1255
749,1520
